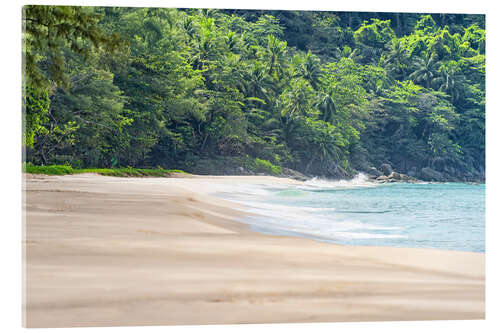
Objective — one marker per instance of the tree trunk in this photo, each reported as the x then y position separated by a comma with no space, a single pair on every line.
398,25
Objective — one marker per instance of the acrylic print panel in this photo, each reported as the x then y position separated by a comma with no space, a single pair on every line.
225,166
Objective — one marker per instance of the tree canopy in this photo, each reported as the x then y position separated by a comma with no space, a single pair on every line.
325,93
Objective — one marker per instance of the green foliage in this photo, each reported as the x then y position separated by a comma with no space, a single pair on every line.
119,172
35,113
48,28
426,25
210,91
266,166
375,34
48,170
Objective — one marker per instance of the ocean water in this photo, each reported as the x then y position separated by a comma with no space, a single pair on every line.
447,216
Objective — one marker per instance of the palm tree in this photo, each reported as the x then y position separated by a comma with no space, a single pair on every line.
206,47
307,66
257,82
426,69
349,53
326,106
451,81
275,53
397,60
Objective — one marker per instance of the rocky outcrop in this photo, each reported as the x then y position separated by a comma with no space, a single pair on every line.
432,175
335,171
374,172
413,172
294,174
394,177
386,169
415,175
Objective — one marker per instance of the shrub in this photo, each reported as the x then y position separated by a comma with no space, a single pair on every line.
119,172
48,170
267,167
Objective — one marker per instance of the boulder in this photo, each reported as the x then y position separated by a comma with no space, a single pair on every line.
335,171
394,175
412,173
374,172
386,169
408,178
382,178
429,174
294,174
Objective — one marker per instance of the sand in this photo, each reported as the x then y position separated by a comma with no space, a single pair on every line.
106,251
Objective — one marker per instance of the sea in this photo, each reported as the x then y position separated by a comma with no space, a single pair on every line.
448,216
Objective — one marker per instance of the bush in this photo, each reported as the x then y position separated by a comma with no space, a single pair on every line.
266,167
48,170
120,172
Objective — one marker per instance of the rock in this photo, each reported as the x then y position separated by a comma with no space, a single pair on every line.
412,173
386,169
429,174
382,178
395,175
408,178
294,174
374,172
335,171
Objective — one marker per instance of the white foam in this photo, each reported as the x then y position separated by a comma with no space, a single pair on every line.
317,222
361,180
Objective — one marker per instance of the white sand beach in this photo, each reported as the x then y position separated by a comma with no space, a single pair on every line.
109,251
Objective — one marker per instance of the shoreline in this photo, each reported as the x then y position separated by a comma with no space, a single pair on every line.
106,251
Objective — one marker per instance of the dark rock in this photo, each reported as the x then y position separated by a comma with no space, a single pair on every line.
335,171
394,175
404,177
294,174
374,172
386,169
429,174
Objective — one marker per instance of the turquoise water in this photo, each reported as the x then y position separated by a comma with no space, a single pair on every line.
447,216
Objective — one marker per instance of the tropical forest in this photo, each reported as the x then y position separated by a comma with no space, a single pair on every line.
242,92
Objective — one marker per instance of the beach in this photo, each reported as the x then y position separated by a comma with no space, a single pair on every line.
110,251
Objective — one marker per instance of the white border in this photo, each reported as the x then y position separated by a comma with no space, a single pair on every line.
10,215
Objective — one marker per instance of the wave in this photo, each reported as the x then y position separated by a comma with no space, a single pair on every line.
360,180
285,210
351,212
304,219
